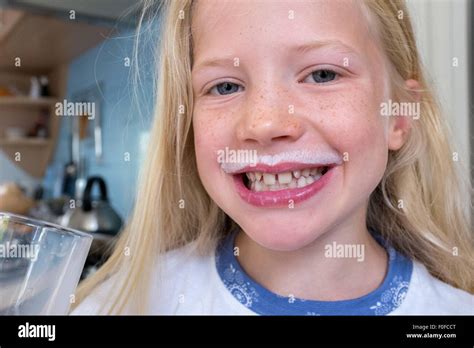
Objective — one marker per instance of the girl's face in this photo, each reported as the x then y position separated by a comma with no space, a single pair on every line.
304,79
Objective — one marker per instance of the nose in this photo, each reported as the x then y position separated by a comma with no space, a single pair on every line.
268,119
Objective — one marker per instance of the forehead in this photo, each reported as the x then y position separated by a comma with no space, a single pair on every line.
219,26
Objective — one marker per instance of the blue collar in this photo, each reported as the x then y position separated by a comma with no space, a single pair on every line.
383,300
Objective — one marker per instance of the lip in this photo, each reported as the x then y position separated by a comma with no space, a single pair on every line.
282,197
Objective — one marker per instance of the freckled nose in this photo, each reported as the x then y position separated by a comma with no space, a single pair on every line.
269,120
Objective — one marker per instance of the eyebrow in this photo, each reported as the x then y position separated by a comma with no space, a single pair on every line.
313,45
214,62
299,49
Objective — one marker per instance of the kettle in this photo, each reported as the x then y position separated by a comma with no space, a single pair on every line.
93,216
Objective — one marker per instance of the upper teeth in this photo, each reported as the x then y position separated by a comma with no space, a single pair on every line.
279,181
284,178
269,179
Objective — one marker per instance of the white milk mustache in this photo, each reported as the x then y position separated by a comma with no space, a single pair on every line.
312,158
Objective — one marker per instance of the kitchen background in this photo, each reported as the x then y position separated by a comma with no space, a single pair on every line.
49,54
83,51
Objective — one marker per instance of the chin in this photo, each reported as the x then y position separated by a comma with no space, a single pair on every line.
280,235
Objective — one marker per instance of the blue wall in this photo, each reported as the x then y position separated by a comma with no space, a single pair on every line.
125,118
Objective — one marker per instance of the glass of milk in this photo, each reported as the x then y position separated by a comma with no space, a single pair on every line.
40,265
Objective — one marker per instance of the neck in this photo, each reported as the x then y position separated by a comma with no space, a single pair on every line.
310,272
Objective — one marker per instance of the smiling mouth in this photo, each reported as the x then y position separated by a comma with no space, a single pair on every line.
260,182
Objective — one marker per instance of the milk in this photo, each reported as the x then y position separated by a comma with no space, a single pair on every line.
40,266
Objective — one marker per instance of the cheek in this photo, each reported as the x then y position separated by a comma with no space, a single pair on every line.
352,123
353,126
365,142
204,130
212,127
211,134
205,142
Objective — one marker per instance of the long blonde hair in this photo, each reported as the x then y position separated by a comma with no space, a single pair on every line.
172,207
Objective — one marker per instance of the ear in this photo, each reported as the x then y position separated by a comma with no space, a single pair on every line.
399,126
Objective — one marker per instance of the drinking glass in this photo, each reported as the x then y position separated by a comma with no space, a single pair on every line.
40,265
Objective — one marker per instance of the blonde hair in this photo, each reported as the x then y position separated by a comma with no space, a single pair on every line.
432,223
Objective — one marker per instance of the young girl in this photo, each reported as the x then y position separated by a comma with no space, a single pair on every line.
298,165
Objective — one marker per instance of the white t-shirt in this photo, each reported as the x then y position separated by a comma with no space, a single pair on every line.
194,284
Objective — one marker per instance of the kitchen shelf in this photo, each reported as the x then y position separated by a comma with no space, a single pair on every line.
27,101
38,45
45,42
32,155
25,142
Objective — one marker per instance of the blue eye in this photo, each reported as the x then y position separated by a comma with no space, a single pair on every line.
225,88
322,76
